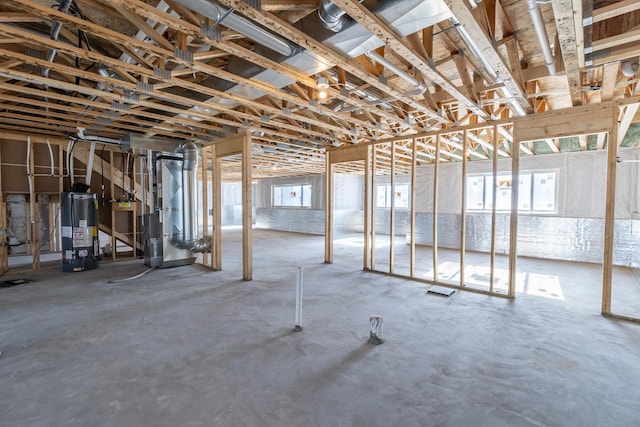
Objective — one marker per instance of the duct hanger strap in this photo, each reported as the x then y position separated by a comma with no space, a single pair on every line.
212,31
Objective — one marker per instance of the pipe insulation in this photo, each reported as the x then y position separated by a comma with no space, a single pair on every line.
541,32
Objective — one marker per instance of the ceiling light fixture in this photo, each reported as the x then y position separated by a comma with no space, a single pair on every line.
322,85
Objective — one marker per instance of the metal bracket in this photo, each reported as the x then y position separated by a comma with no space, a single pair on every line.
162,73
146,87
212,31
184,55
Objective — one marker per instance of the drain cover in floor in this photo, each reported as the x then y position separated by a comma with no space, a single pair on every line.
439,290
14,282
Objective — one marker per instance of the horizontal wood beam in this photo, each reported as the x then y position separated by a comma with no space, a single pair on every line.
577,120
614,9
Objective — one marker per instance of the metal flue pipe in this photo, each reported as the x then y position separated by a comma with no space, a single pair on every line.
190,238
541,32
189,188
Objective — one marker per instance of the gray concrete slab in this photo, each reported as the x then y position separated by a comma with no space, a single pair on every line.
187,347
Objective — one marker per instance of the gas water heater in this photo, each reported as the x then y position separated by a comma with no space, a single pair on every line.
79,220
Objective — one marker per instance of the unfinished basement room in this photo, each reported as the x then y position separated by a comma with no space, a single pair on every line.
319,213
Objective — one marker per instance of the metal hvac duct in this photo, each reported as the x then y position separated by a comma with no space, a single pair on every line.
189,200
226,17
404,16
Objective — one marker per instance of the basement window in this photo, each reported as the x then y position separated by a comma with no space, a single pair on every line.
293,196
537,192
384,193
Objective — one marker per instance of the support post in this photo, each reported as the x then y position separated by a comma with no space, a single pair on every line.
513,230
494,193
367,211
247,221
392,209
609,214
4,250
216,261
372,206
205,199
34,214
463,207
328,206
436,175
112,188
412,219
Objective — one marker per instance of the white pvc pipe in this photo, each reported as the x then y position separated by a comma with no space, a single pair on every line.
70,161
92,152
51,157
299,299
30,180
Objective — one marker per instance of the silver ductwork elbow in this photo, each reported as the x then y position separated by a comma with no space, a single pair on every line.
190,156
333,18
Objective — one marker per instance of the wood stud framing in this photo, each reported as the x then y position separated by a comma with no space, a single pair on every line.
462,105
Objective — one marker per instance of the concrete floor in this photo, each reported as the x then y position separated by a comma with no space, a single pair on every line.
188,347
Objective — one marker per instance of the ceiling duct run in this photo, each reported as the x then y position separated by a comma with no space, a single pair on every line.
404,16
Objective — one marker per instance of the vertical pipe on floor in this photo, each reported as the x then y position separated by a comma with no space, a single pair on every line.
298,319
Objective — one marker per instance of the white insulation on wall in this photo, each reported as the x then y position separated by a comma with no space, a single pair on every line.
573,232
